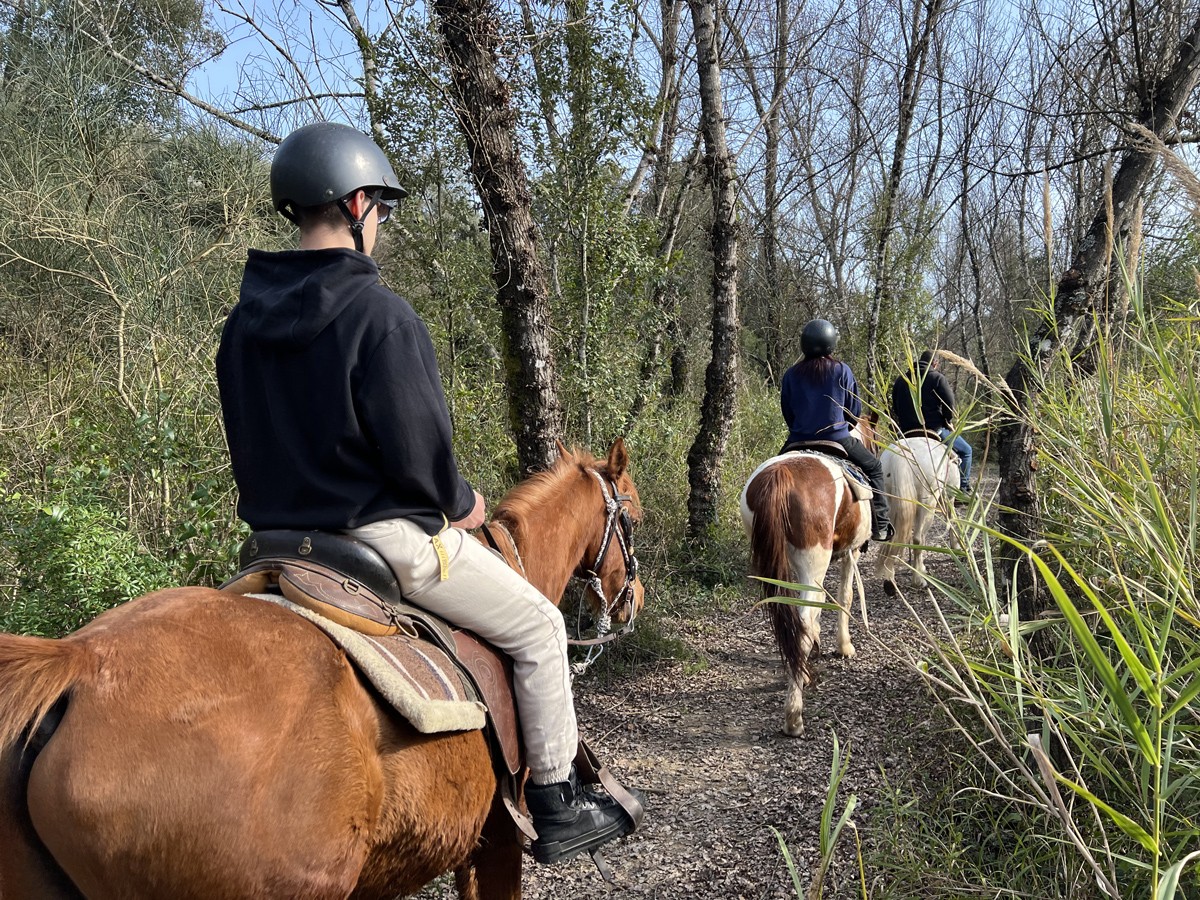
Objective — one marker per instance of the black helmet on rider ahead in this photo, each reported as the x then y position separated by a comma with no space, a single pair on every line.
819,338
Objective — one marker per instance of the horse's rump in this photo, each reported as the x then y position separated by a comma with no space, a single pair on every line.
917,471
791,507
204,716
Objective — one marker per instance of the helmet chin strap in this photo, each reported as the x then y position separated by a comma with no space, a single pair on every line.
356,225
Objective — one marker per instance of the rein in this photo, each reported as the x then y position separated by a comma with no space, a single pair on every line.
515,561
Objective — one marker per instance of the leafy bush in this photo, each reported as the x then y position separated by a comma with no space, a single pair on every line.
70,563
1085,742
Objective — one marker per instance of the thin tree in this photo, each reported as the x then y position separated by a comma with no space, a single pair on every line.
720,379
918,34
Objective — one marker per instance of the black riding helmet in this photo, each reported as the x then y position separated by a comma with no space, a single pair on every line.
819,338
326,162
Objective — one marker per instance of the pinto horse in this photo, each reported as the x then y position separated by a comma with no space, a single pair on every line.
196,744
801,513
918,471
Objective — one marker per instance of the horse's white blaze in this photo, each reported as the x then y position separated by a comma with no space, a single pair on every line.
917,472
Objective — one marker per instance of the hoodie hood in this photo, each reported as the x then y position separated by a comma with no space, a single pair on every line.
288,298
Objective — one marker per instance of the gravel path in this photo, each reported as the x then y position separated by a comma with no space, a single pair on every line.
703,740
707,748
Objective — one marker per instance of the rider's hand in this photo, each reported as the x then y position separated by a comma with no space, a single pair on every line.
475,517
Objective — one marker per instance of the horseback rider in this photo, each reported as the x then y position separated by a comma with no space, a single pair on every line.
820,402
936,410
336,420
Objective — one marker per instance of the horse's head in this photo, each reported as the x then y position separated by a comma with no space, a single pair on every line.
610,509
865,429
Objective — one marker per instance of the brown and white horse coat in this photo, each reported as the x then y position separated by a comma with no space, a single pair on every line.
801,514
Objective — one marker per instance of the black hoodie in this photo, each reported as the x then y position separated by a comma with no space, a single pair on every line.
937,401
332,401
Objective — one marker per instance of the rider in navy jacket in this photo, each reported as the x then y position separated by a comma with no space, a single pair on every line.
820,402
820,407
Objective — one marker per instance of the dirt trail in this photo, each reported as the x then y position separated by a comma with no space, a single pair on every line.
707,749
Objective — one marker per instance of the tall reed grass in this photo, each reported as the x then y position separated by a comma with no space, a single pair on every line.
1075,770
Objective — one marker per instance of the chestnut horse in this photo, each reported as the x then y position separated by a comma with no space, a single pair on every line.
801,514
918,472
196,744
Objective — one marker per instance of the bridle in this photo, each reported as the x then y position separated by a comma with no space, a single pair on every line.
618,523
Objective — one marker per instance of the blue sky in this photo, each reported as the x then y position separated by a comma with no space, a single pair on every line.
264,62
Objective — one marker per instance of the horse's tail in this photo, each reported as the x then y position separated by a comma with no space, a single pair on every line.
899,478
769,498
35,674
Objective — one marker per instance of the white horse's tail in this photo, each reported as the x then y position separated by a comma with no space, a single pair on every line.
899,481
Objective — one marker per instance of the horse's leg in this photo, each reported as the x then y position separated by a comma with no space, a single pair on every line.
886,566
494,871
26,867
808,567
898,477
845,597
920,525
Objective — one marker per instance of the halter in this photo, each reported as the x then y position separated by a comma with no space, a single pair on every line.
616,514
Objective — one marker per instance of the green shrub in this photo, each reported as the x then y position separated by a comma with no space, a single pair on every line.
70,563
1085,744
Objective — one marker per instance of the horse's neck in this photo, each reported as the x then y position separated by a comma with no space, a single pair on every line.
551,546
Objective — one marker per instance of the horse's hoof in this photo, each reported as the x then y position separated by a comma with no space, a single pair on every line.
793,730
848,651
889,588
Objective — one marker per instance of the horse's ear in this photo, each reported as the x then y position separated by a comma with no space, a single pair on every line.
563,452
618,458
873,417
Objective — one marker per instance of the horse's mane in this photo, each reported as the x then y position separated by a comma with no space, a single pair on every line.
537,490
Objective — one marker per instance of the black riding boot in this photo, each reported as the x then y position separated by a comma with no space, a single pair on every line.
571,819
883,529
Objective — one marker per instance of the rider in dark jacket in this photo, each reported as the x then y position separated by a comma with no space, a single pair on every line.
935,413
820,402
336,420
937,398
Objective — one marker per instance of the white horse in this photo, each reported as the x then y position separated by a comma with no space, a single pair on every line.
917,472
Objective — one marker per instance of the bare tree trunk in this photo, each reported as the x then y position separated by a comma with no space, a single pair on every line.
720,379
775,301
666,104
487,120
545,99
665,298
1078,291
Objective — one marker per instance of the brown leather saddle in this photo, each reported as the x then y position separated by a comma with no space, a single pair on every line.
922,433
860,485
349,583
829,448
